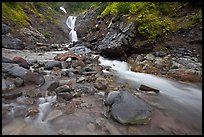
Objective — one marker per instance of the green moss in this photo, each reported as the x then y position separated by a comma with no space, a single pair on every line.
13,14
154,19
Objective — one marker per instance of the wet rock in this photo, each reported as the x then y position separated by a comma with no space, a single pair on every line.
158,61
64,88
111,97
11,94
53,85
77,63
21,62
18,82
6,60
12,43
65,56
85,89
80,79
31,62
34,93
147,88
5,29
33,78
129,109
149,57
14,69
66,82
80,49
9,84
32,111
64,96
50,64
101,83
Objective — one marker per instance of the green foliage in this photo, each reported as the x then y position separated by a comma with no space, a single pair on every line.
198,17
153,19
13,14
77,7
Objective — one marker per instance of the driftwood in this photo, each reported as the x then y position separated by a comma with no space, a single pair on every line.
42,44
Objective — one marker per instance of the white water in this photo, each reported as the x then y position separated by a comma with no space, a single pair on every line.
71,24
63,9
182,99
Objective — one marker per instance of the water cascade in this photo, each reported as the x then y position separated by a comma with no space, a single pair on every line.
71,24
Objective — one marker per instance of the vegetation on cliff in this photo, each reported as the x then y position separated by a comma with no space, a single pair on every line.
155,19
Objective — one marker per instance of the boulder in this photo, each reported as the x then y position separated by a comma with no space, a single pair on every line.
64,88
111,97
11,94
6,60
12,43
5,29
33,78
50,64
21,62
13,69
129,109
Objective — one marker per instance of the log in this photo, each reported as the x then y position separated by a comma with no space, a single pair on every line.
42,44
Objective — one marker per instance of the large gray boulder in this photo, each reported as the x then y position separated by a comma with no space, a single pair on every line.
12,43
13,69
129,109
50,64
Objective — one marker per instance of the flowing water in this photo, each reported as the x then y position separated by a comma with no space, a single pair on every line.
71,24
182,100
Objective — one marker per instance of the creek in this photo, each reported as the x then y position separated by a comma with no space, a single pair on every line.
178,105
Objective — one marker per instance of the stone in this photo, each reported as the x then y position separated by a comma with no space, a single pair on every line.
6,60
32,111
147,88
65,96
34,93
129,109
18,82
48,65
12,43
10,84
5,29
64,88
101,83
111,97
21,62
53,85
77,63
13,69
149,57
11,94
33,78
85,89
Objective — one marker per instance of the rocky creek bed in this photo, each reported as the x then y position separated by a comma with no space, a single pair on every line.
61,89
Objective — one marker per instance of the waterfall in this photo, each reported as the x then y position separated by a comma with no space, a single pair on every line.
63,9
71,24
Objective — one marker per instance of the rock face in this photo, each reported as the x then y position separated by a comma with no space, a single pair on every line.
129,109
33,78
12,43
